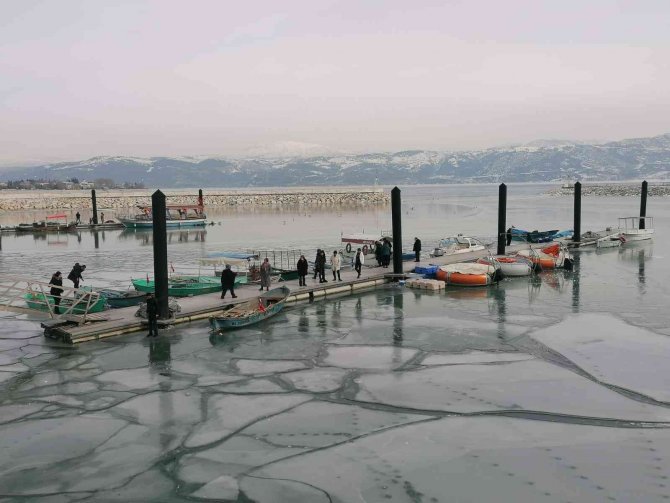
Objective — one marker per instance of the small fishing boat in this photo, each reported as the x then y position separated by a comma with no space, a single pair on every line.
73,305
550,257
251,311
469,274
636,228
457,244
533,236
511,266
176,215
123,298
183,286
53,223
613,241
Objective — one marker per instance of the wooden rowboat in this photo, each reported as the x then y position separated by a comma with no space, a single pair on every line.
251,311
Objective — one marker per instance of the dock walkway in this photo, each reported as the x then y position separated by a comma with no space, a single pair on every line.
123,321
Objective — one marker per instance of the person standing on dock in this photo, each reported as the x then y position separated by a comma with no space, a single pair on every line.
228,282
417,249
358,262
102,217
266,268
508,236
302,267
75,274
386,254
78,218
322,267
378,253
152,315
56,290
335,262
316,262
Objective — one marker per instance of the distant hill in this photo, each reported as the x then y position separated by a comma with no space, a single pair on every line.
546,160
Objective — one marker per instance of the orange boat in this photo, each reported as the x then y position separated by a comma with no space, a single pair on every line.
550,257
468,274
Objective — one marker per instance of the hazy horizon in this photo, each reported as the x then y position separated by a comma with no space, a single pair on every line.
169,78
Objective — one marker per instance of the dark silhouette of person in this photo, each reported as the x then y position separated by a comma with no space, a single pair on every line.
75,274
508,236
417,249
228,282
78,216
152,315
302,267
358,262
56,290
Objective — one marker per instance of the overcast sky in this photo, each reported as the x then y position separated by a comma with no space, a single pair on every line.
80,78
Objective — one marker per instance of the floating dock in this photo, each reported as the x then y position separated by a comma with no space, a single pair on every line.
123,321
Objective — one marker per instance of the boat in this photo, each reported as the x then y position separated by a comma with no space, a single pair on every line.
251,311
533,236
183,286
123,298
613,241
71,305
176,215
457,244
636,228
53,223
550,257
469,274
509,265
366,242
591,238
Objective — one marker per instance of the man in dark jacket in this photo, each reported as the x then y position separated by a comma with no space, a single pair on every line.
322,267
228,282
75,274
302,267
152,314
417,249
316,262
508,236
56,290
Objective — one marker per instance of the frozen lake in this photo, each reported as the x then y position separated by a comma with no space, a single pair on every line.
550,389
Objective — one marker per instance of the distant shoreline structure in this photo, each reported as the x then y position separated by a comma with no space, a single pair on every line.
613,189
119,199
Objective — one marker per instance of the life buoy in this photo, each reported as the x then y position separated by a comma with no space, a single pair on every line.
365,249
348,247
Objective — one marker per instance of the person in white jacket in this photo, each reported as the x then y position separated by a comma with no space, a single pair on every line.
335,262
359,260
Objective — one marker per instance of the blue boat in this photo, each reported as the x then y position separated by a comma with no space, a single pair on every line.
533,236
251,311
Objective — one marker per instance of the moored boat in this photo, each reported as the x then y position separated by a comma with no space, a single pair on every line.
183,286
176,215
53,223
457,244
533,236
251,311
511,266
123,298
612,241
636,228
468,274
79,304
550,257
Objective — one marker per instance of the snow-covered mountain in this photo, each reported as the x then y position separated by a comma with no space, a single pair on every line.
536,162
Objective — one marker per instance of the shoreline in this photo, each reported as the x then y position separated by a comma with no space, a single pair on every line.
656,189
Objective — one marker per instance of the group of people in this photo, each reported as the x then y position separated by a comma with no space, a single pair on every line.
56,283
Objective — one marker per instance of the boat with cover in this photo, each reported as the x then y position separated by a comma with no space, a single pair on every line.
509,265
251,311
533,236
53,223
636,228
457,244
550,257
469,274
183,286
176,215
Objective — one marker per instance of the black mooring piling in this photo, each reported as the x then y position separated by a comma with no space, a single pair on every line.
643,204
160,253
201,201
502,214
396,213
95,207
577,229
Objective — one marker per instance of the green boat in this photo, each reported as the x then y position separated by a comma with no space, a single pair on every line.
120,298
250,311
186,286
39,301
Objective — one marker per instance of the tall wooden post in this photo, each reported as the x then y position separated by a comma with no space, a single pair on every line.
160,253
201,201
396,213
95,207
643,204
577,228
502,214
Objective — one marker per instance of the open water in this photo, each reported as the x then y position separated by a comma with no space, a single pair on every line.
554,388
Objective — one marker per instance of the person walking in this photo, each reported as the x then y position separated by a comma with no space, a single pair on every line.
322,267
358,262
386,254
335,263
508,236
266,268
152,315
228,282
417,249
316,262
78,218
102,217
75,274
378,253
302,267
56,284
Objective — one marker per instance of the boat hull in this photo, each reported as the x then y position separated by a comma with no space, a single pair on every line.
184,286
509,266
638,235
250,313
467,274
38,301
130,223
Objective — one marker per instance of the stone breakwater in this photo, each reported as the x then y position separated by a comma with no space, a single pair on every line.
614,190
64,200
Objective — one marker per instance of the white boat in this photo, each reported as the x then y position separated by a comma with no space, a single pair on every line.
181,215
366,242
510,266
457,244
612,241
636,228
